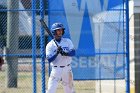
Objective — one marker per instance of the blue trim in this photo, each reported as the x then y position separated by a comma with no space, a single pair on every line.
127,48
101,53
52,58
124,40
71,53
63,10
16,10
34,44
42,48
101,79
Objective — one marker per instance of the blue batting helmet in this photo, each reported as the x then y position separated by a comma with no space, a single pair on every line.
56,26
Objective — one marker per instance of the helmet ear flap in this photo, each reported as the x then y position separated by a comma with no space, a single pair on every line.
63,32
53,32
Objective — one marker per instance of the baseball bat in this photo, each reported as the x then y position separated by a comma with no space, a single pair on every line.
47,30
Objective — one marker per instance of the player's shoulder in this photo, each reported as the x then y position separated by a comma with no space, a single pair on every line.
66,39
50,43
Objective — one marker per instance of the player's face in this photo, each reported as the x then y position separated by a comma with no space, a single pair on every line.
59,33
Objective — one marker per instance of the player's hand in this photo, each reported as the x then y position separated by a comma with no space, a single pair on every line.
59,50
63,53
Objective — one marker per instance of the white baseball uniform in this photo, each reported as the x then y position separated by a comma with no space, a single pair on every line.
61,69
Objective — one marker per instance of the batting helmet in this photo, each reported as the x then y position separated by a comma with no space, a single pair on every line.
56,26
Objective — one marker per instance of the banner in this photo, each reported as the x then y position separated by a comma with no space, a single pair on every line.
96,27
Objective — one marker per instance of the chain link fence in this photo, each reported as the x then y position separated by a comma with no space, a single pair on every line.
16,75
16,48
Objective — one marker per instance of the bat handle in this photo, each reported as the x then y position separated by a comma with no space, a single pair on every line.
56,43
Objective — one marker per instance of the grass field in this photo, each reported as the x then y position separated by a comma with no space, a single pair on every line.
25,84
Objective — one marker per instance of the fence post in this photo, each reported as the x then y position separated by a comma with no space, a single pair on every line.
34,46
127,49
42,46
12,42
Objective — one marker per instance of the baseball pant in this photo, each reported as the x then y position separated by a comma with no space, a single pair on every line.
58,74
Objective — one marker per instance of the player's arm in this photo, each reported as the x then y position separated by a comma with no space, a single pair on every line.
71,51
51,54
52,58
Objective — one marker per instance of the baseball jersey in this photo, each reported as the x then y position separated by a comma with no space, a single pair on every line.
51,49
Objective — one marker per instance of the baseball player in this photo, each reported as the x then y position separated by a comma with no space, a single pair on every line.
60,58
